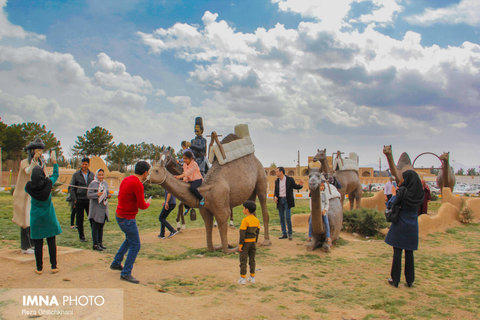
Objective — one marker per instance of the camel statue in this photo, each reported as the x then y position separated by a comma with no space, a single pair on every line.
176,169
335,213
349,180
225,186
446,177
404,163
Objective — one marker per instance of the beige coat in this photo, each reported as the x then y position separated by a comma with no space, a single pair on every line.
21,200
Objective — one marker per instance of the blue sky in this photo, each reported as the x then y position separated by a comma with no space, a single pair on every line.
350,75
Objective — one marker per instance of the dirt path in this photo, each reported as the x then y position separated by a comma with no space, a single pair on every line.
291,282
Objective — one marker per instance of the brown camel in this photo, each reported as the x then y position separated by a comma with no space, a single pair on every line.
446,177
404,163
225,187
335,213
349,180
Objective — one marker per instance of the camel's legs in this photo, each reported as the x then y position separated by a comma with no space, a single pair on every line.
208,219
223,229
180,215
262,198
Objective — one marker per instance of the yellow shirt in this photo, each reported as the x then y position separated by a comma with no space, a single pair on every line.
249,229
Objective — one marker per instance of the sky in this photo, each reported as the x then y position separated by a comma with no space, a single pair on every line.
348,75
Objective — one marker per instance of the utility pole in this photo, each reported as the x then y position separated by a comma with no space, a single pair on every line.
298,164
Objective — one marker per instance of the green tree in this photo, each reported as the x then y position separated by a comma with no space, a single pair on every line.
434,170
460,172
12,141
33,130
96,142
472,172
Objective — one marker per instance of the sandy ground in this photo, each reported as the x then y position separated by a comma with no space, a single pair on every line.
203,287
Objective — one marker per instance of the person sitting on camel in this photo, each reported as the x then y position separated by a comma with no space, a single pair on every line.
191,174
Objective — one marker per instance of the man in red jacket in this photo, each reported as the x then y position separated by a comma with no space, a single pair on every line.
130,199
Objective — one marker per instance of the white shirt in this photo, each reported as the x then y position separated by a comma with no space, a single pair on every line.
388,188
282,187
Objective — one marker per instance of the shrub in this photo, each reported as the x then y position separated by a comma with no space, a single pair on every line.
433,197
154,190
367,194
366,222
466,215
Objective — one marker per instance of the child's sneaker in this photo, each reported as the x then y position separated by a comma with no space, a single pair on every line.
251,279
202,202
242,280
186,212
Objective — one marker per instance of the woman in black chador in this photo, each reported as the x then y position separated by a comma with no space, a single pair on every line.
403,235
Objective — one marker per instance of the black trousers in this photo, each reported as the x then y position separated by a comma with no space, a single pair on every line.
73,213
193,188
52,251
25,241
248,253
97,232
80,207
397,266
163,219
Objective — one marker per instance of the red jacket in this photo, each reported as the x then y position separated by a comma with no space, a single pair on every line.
130,198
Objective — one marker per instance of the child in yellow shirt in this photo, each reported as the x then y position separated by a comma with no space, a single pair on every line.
249,230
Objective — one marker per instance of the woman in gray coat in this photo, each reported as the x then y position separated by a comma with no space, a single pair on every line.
98,210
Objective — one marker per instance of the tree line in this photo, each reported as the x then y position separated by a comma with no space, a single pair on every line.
95,142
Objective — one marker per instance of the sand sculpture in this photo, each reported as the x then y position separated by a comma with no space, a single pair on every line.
446,176
404,163
348,178
225,187
335,213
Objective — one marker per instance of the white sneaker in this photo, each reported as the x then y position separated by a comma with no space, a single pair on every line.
28,251
251,279
242,280
184,226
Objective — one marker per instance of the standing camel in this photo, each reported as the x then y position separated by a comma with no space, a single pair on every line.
446,177
404,163
335,213
349,180
225,187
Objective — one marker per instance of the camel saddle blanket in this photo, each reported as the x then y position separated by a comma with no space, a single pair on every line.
234,149
350,163
332,192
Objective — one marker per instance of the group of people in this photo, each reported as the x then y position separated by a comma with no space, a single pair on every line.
88,192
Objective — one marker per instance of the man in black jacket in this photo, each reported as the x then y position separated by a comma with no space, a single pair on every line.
284,199
82,179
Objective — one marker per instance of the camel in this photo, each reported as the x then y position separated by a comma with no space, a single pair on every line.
225,187
335,213
349,180
446,177
176,169
404,163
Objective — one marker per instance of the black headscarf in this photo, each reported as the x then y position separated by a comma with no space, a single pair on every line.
39,186
413,195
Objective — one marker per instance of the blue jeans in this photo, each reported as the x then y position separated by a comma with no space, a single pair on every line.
325,223
131,244
284,213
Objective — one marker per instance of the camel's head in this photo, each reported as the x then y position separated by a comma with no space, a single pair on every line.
321,155
387,150
314,178
158,173
445,157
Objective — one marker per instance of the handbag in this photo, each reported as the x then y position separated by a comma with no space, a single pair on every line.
392,214
193,215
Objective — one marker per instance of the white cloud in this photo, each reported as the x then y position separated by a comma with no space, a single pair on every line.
466,11
385,12
114,75
8,30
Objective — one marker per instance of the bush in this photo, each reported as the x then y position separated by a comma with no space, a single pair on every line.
433,197
367,194
367,222
154,191
466,215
